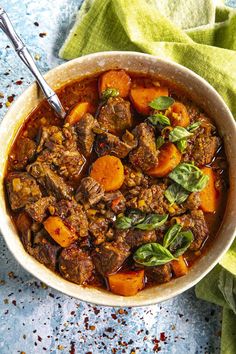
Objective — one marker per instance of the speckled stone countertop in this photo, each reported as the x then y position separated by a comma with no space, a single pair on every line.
37,319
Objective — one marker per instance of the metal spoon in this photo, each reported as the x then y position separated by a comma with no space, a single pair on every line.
25,56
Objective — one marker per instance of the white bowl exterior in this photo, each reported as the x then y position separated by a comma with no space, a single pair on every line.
201,92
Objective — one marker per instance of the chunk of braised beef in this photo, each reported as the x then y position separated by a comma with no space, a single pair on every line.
89,191
116,201
159,274
148,199
23,223
98,229
49,136
38,210
67,163
22,189
84,129
109,144
115,115
74,216
134,237
134,178
58,149
110,256
52,183
145,156
45,250
193,201
195,221
75,264
23,153
202,148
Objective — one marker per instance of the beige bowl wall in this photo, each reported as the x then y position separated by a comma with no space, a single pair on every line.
201,92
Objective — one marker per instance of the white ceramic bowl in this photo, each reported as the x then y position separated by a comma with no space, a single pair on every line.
201,92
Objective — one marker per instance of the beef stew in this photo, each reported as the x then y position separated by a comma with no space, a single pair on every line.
127,192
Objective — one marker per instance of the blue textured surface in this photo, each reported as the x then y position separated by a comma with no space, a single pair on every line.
37,319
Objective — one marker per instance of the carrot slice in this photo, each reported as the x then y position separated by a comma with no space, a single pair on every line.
117,79
209,195
79,111
179,267
179,115
141,97
168,159
126,283
59,231
109,172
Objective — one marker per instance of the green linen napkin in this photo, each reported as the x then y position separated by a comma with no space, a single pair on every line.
197,34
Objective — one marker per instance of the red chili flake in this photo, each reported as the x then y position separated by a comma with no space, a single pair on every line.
42,34
113,315
19,82
11,98
72,313
36,24
14,302
72,348
57,231
96,311
162,336
39,339
156,346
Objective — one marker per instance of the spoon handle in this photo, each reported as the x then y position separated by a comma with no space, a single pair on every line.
25,56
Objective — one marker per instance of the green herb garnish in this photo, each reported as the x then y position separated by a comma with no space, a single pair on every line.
162,102
152,221
171,235
190,177
181,243
159,118
152,254
179,133
182,144
109,92
141,221
176,194
160,141
191,128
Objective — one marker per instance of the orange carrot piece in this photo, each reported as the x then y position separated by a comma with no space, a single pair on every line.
179,267
59,231
79,111
141,97
109,172
179,115
126,283
209,195
168,158
117,79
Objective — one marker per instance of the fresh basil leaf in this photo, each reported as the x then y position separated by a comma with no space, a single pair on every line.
176,194
160,141
178,133
227,286
159,119
192,127
182,144
109,92
136,215
152,254
190,177
123,223
162,102
152,221
171,234
181,243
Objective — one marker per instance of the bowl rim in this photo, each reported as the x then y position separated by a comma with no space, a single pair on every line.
55,280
